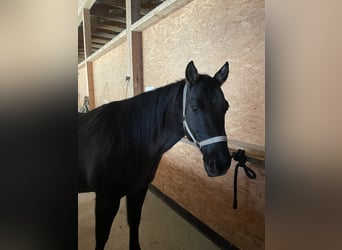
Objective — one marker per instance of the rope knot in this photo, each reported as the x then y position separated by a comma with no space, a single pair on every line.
241,158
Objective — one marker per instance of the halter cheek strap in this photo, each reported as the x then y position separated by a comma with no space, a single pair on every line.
203,143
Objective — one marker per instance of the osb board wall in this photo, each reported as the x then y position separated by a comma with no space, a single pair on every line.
182,177
82,86
211,32
109,72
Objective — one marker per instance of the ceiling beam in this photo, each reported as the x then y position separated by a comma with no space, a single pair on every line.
121,5
114,3
101,41
82,52
158,13
97,20
112,18
144,11
100,10
87,32
105,26
102,34
97,46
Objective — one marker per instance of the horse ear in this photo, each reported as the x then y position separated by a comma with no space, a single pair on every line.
222,74
191,73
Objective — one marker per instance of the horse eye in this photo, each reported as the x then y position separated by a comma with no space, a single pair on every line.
194,108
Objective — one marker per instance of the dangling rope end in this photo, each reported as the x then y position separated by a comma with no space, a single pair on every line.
235,204
241,158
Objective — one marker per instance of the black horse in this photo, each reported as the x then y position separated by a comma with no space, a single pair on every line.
121,143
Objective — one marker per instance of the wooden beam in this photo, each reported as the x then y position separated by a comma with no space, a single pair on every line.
104,12
116,41
88,51
98,20
81,50
87,4
114,3
137,63
112,18
129,45
158,13
97,46
104,35
252,151
143,11
81,64
101,41
109,27
144,7
136,51
134,43
91,92
87,32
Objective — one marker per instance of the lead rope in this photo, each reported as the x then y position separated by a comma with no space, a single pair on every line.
241,158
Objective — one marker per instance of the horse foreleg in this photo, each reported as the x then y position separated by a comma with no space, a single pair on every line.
106,208
134,205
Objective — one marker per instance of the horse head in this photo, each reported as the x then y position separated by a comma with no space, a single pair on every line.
204,109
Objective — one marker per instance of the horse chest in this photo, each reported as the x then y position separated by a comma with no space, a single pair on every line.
127,175
142,170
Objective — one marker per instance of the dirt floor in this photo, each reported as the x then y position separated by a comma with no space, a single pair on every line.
161,228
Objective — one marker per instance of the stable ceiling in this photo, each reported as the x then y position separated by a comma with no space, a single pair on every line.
108,19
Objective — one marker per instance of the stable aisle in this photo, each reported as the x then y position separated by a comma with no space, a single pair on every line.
161,228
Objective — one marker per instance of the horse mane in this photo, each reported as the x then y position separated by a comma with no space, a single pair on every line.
133,122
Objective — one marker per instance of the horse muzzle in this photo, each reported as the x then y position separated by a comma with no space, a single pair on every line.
217,166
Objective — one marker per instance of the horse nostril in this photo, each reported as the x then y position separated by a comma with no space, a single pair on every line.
212,162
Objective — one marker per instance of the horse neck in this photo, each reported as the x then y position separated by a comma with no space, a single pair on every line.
173,130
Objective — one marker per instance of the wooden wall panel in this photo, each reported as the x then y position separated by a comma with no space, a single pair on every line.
211,32
110,72
182,177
